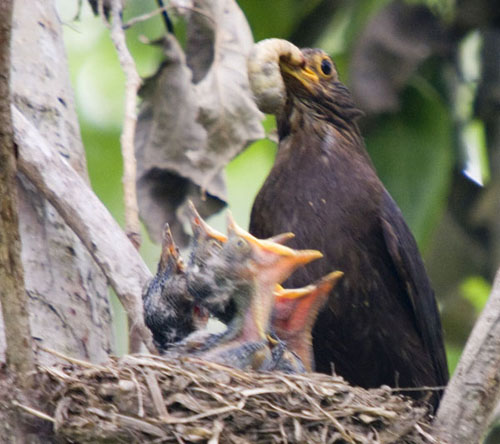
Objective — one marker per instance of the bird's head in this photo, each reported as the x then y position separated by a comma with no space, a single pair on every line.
296,309
263,263
266,259
207,242
284,77
170,259
312,75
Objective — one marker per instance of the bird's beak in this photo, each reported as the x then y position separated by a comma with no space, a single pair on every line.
169,251
300,71
321,287
198,225
326,283
281,238
315,292
273,256
296,310
281,293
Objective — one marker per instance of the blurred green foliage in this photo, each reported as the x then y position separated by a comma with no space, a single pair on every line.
476,290
413,150
416,172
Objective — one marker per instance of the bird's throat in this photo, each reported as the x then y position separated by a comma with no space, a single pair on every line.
256,322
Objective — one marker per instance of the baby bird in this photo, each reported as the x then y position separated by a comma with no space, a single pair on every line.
169,309
294,314
246,273
205,251
206,273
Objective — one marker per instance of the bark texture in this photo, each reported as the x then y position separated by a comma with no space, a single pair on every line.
474,390
88,217
68,294
19,354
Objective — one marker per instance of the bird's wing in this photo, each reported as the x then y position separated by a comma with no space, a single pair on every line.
410,269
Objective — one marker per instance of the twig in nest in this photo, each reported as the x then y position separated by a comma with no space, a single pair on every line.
34,412
314,404
132,84
214,412
156,395
140,401
426,435
218,426
75,361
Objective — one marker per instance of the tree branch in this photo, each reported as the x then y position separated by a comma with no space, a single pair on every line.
132,84
13,296
89,219
474,390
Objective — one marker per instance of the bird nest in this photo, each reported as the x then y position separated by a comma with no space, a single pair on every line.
144,398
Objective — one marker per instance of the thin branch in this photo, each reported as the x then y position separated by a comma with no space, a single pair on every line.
474,389
166,18
142,18
88,218
13,295
149,15
132,84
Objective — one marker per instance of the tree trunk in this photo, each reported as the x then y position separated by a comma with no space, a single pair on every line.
19,355
68,295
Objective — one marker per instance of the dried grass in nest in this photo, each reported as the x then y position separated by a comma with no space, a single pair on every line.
143,398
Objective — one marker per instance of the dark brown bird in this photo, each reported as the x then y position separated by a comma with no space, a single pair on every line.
381,324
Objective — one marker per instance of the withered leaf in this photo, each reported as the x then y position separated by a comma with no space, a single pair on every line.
196,116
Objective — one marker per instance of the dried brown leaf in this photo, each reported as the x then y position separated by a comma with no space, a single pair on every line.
197,115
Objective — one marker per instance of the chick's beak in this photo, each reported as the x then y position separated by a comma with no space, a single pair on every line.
198,225
274,258
281,238
310,300
169,251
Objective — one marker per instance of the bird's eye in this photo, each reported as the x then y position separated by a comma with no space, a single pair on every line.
241,244
326,67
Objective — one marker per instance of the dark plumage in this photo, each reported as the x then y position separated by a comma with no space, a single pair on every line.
169,310
204,259
381,324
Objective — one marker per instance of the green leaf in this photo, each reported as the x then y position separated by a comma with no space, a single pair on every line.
412,151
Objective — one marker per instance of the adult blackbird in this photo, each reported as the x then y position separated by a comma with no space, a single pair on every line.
381,324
